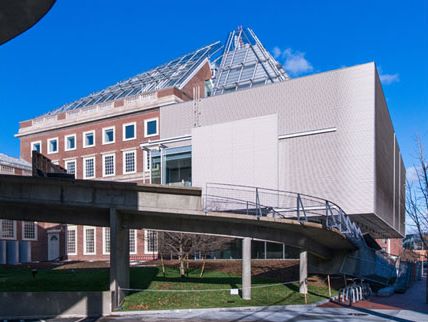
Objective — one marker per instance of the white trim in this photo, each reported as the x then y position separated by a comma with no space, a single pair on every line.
146,251
306,133
84,139
84,167
66,162
36,142
145,127
66,141
124,132
14,230
49,145
72,228
135,242
85,228
23,230
175,139
114,164
104,241
124,161
147,160
103,134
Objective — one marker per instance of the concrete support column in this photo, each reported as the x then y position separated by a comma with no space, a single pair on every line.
246,268
303,273
119,257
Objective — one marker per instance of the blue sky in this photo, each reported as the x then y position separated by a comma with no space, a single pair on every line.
82,46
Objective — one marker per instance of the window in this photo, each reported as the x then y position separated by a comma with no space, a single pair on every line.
132,241
89,168
108,135
8,229
129,131
71,240
129,162
89,240
36,146
88,139
150,241
106,240
70,142
147,160
108,165
70,166
53,145
151,127
29,230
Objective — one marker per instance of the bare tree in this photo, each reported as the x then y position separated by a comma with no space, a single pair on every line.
417,196
183,246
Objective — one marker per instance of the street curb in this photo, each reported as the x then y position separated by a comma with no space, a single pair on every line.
221,309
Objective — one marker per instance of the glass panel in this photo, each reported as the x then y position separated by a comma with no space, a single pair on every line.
152,127
71,142
89,139
130,131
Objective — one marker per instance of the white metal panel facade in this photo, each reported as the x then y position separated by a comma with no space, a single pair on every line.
242,152
344,165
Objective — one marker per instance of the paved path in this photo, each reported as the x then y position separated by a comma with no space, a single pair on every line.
412,300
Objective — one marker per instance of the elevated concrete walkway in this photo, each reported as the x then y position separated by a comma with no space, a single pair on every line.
122,206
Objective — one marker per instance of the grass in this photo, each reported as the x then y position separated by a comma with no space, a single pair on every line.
156,288
213,290
20,280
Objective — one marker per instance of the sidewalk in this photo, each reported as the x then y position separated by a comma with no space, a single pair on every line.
412,300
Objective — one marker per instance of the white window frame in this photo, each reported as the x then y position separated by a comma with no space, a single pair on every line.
124,131
84,167
72,228
36,142
49,145
23,230
85,228
124,161
146,135
105,252
146,244
147,160
135,242
103,134
66,141
14,230
114,164
84,139
66,162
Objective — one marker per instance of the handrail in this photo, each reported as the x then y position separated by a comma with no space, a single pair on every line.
285,204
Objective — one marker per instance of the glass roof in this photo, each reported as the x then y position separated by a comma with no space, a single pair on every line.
245,63
171,74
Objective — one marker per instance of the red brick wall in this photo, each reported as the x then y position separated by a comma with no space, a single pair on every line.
40,248
117,122
395,245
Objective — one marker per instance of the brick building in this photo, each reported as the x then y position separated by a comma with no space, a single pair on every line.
16,237
98,137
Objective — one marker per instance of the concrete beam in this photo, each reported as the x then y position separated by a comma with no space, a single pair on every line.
119,258
246,268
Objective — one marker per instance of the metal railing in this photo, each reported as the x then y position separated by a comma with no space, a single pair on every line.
261,202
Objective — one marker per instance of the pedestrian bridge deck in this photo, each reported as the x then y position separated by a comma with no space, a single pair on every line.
87,202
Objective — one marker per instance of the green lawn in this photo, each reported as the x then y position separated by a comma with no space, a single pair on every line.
157,289
20,279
